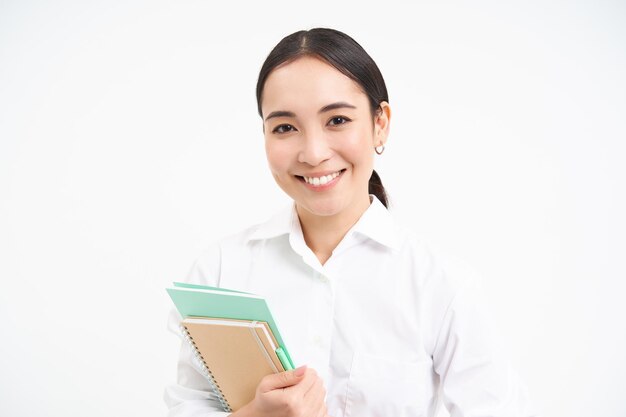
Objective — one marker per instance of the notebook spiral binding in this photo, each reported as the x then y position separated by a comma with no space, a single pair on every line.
206,371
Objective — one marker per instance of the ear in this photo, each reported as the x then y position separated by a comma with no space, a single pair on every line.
381,124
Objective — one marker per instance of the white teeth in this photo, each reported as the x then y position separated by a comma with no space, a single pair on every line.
317,181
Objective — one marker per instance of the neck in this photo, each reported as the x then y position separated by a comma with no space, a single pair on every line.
322,234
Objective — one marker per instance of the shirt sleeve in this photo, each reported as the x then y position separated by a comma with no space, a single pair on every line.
476,377
191,395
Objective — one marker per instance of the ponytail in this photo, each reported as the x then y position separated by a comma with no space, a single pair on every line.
376,187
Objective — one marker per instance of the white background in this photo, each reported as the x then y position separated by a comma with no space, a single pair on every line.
129,140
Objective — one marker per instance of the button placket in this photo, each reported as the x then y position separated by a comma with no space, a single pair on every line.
321,331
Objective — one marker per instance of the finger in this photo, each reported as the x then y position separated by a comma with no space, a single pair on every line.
320,404
282,379
316,395
318,384
314,404
307,382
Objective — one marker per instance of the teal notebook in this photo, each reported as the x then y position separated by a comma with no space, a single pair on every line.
204,301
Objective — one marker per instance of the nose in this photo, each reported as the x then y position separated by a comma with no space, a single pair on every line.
314,149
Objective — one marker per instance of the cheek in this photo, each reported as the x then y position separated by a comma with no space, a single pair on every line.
277,157
359,149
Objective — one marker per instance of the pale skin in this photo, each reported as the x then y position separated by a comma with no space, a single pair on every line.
297,393
318,125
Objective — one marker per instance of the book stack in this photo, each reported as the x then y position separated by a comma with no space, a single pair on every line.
234,337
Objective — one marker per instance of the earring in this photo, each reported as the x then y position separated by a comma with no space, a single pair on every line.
382,149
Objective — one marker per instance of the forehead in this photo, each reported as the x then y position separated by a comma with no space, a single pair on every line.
306,85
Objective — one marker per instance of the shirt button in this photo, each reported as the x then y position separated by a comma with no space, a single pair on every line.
324,279
317,340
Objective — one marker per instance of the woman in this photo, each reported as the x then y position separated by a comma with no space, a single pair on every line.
383,326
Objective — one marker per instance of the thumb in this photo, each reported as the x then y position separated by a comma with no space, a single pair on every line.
282,379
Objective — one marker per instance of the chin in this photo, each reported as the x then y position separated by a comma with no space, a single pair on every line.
321,208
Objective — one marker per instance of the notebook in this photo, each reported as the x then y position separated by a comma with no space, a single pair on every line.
234,337
234,355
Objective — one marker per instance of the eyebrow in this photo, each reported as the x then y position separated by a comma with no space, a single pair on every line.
329,107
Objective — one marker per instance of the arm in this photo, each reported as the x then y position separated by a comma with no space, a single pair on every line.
476,377
191,395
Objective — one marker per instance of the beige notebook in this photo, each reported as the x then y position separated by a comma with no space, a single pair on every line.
236,355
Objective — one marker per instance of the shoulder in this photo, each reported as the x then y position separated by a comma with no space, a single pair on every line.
209,263
226,251
436,268
430,264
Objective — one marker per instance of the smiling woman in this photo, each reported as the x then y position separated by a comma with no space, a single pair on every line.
385,326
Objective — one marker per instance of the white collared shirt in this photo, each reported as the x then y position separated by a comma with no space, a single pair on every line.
392,328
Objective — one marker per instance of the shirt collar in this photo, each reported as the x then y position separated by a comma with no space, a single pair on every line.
279,224
378,224
375,223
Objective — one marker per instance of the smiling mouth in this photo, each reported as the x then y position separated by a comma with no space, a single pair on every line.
319,181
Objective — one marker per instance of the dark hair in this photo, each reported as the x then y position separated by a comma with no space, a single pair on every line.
346,55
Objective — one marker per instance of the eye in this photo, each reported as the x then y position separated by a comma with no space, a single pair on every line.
338,120
283,129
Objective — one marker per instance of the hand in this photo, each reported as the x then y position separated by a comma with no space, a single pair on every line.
297,393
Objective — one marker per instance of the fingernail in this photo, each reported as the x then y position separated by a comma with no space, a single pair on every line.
300,371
